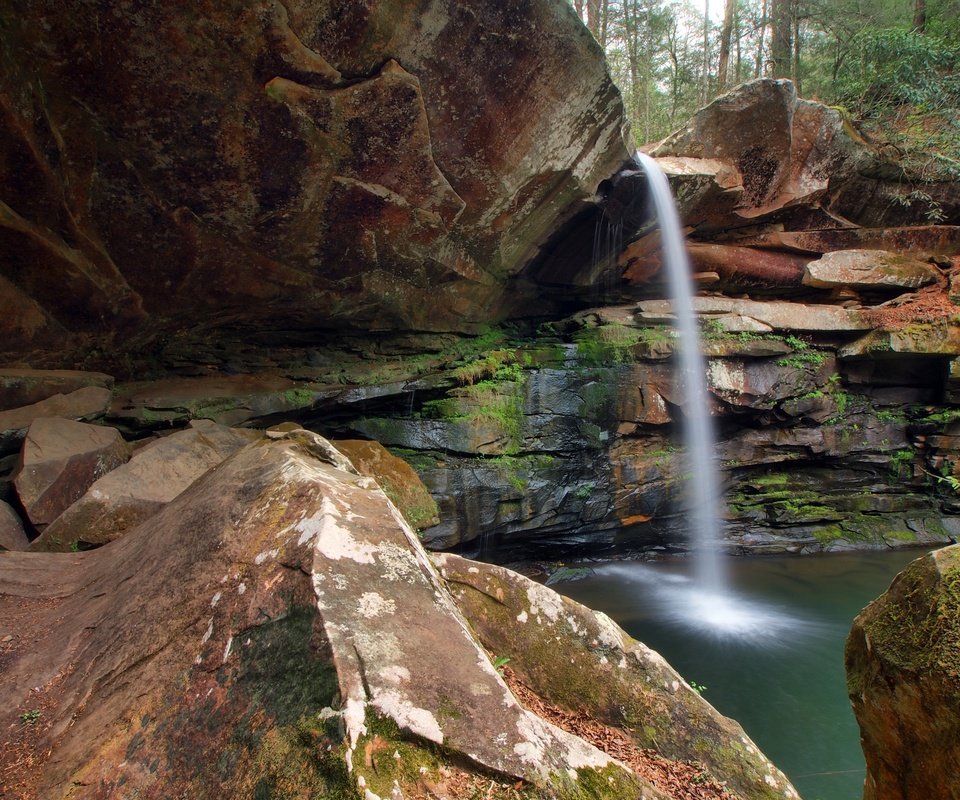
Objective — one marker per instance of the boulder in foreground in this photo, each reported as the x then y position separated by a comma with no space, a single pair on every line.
903,676
280,614
59,461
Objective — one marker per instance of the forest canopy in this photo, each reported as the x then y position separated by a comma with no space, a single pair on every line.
891,66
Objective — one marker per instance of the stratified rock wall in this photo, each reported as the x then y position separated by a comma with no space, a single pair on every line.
287,165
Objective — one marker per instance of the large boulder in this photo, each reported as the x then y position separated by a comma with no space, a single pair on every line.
59,461
86,403
803,164
12,534
227,625
396,477
903,676
784,148
605,674
290,166
135,491
869,269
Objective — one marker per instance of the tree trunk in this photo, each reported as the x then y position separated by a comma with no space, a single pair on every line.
593,18
705,84
781,38
920,15
795,65
758,64
725,33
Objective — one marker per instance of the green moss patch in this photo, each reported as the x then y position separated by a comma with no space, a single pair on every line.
915,626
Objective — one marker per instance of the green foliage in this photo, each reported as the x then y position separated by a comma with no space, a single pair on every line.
609,345
30,717
842,399
498,365
899,461
895,66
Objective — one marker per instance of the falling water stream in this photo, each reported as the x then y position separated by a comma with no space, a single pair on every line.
703,484
707,603
765,635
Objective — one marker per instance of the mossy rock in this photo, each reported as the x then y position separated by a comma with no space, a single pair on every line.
396,477
580,660
903,677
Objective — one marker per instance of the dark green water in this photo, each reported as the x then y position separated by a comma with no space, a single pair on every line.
772,659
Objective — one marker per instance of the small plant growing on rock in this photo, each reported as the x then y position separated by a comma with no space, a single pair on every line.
30,717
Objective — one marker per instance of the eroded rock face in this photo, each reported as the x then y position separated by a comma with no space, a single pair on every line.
289,166
829,432
903,676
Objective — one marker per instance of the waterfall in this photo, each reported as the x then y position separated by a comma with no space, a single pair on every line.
703,484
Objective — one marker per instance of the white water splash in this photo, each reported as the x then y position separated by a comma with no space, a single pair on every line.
728,616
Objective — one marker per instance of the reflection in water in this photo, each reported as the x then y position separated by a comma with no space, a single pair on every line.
771,656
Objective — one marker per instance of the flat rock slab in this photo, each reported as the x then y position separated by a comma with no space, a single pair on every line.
87,403
227,400
59,461
12,534
918,241
135,491
933,339
778,315
24,387
868,269
742,348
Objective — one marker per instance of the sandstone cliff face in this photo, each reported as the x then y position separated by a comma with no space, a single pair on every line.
903,675
286,166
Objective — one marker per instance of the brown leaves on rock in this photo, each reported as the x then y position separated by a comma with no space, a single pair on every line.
682,780
927,305
23,745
